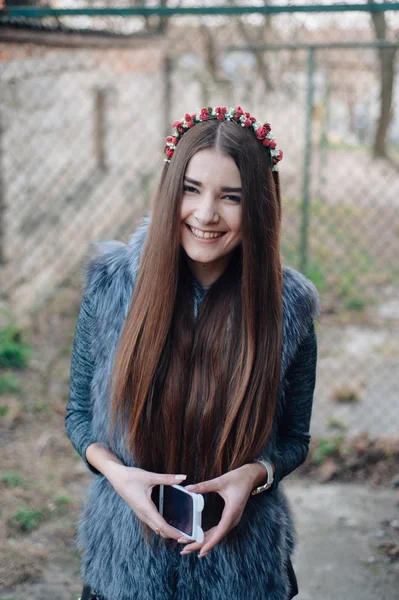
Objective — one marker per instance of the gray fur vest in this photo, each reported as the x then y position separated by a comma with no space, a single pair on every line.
116,562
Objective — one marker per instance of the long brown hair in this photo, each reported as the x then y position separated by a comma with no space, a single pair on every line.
199,396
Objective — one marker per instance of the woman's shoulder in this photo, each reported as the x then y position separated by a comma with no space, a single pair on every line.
300,293
103,261
107,262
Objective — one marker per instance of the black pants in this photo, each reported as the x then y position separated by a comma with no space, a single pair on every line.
293,581
89,594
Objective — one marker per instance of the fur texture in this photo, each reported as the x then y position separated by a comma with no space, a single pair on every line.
115,560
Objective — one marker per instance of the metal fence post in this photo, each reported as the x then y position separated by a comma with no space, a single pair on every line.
100,128
323,143
167,92
2,197
303,239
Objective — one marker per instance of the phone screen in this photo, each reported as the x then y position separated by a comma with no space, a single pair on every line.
178,509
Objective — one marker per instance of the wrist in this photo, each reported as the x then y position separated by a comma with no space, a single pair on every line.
256,473
269,480
112,470
102,459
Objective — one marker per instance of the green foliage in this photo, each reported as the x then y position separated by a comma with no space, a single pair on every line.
62,502
14,351
335,423
11,479
328,447
346,395
62,499
66,351
355,304
317,273
4,410
26,519
9,384
40,406
341,260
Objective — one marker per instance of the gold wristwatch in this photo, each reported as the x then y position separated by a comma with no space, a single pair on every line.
270,478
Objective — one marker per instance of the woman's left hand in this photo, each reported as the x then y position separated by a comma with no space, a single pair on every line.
235,488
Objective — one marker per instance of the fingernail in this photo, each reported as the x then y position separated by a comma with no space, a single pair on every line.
190,487
184,552
180,476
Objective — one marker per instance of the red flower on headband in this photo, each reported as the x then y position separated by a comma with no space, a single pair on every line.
262,132
238,113
178,125
189,120
169,152
272,144
204,114
220,112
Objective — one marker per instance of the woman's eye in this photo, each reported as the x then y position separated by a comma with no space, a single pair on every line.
189,188
233,198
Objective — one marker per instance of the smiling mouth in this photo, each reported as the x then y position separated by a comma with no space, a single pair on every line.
205,235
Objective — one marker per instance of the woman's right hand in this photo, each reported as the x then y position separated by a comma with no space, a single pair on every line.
135,486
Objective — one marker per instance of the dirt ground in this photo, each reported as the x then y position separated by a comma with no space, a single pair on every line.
43,482
348,537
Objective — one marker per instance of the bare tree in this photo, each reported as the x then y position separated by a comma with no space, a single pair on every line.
387,58
261,36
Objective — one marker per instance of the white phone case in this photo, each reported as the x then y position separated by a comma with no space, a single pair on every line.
198,506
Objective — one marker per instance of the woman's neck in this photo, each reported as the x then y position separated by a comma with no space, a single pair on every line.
207,274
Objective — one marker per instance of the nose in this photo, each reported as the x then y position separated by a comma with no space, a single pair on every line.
206,211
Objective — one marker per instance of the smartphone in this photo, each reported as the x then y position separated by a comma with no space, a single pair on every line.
182,510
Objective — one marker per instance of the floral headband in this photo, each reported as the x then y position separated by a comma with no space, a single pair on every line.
221,113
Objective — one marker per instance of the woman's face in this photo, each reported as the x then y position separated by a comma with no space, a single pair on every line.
211,213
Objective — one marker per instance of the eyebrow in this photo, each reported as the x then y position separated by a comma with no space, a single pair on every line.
224,189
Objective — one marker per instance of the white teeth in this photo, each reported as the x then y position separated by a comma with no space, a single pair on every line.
204,234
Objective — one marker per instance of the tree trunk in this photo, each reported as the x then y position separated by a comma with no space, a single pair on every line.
387,71
387,77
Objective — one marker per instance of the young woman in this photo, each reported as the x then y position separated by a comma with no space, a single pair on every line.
194,360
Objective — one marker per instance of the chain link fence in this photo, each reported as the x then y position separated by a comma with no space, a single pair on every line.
87,100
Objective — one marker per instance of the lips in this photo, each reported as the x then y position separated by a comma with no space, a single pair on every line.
205,235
